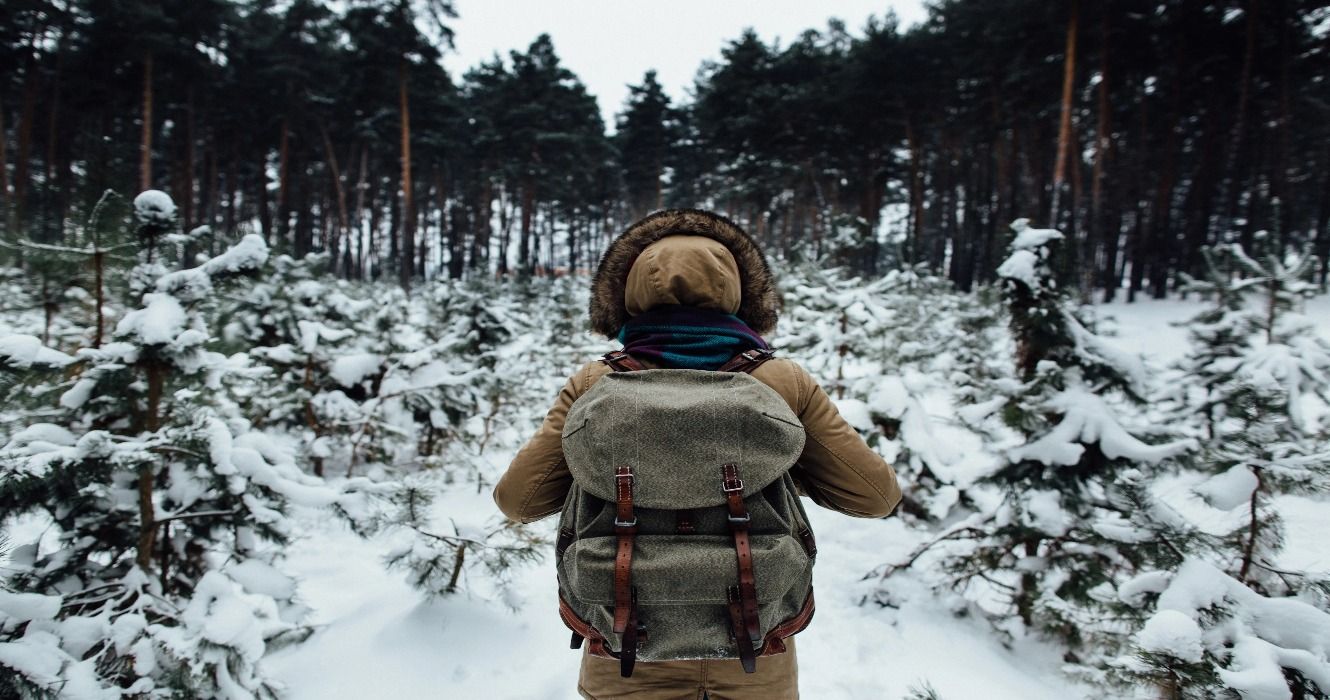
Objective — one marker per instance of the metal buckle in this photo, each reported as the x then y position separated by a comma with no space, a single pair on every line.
625,475
620,523
744,519
725,486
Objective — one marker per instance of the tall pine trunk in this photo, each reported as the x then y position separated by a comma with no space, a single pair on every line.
408,231
1064,120
145,142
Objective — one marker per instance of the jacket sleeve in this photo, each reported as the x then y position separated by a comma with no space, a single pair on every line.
537,481
837,469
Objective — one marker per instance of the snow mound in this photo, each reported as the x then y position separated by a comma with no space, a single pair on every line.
155,207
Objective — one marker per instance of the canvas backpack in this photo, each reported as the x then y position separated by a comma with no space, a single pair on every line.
682,536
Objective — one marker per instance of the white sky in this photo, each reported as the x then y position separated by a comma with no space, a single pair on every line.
610,44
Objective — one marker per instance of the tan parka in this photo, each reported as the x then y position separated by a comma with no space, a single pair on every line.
699,259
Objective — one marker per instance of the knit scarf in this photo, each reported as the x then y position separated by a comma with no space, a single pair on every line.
688,337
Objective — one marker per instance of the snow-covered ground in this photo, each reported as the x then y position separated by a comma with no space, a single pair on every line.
377,637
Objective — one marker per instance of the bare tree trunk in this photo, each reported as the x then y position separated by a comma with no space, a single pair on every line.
1103,142
408,205
26,117
362,184
4,169
145,145
187,203
1231,172
1064,121
343,222
283,179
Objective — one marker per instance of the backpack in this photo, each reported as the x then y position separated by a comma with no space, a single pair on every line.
683,536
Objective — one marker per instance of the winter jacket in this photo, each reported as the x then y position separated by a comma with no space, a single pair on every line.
701,259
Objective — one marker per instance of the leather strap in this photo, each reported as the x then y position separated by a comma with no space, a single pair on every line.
628,652
625,527
566,537
810,544
742,639
746,591
747,361
620,361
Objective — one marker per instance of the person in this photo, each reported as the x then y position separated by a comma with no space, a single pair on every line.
688,288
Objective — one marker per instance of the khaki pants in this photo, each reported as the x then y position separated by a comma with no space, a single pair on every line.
777,678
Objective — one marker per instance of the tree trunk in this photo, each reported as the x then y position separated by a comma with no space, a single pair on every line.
187,189
362,184
525,258
145,143
4,169
1233,157
26,116
1064,120
283,180
343,221
408,205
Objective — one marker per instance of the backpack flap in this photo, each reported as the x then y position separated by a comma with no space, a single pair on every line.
676,427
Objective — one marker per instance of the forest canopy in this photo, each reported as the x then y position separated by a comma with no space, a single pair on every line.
1145,129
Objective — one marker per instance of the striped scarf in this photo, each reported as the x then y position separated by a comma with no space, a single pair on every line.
688,337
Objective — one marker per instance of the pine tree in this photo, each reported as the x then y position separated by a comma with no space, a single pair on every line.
1073,517
164,497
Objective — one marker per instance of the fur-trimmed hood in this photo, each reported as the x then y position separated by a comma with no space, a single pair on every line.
759,302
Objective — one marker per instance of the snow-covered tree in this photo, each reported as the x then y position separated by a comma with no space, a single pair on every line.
1212,636
1070,517
164,498
1255,362
1229,620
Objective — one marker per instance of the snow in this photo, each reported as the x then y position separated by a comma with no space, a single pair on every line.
249,254
1229,489
26,351
1045,513
1087,419
155,206
1173,633
856,413
159,321
1028,254
349,370
1022,266
25,607
378,637
1030,238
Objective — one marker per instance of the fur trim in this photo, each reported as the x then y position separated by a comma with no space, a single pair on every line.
759,305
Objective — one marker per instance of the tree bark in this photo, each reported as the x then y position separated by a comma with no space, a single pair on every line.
283,179
343,221
1064,120
145,143
408,205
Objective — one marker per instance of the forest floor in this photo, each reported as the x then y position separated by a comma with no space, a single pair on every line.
378,637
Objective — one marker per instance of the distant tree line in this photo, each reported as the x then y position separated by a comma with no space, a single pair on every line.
1144,129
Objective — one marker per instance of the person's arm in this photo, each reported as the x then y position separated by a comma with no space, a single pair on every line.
837,469
538,480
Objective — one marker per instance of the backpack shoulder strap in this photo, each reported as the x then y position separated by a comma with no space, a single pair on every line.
620,361
747,361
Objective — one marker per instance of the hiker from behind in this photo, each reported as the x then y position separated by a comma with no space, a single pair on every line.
684,555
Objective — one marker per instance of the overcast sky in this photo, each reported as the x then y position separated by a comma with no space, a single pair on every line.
611,43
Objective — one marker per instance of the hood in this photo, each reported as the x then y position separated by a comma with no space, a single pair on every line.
683,256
